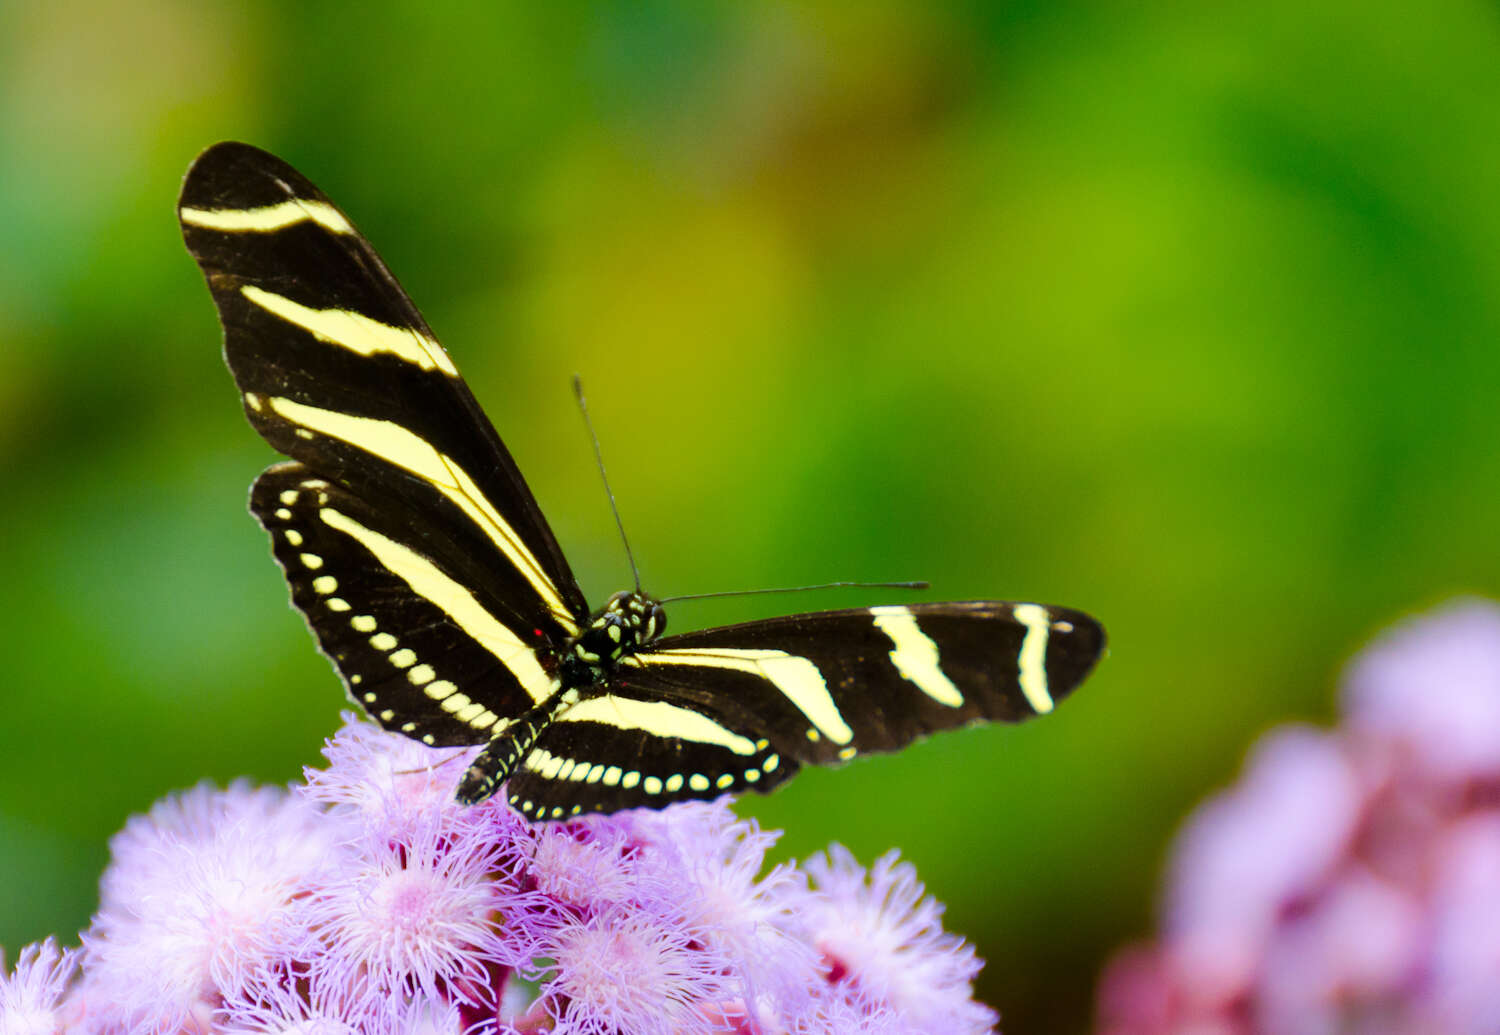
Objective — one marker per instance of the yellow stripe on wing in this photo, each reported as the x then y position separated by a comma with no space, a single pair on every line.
1031,667
916,655
433,585
402,448
356,332
268,218
658,718
797,678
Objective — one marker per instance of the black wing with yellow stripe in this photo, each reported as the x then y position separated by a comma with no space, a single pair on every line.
743,707
338,370
426,571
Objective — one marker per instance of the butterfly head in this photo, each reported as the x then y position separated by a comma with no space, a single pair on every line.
626,621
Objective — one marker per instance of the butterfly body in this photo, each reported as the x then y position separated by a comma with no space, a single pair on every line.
427,573
584,667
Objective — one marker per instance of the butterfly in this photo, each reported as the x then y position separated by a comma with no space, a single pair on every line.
427,573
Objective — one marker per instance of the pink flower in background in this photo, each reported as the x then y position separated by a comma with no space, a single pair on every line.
1350,882
367,902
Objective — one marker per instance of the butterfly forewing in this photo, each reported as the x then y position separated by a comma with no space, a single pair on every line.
338,370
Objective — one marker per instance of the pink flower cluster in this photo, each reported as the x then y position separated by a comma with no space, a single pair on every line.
367,901
1350,882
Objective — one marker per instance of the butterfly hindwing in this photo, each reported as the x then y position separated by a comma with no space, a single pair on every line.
617,751
338,370
418,648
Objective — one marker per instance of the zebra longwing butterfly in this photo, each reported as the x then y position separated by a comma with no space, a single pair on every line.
425,569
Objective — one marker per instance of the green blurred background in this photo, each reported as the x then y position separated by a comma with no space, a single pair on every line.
1185,317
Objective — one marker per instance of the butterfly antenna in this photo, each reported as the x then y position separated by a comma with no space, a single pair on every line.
796,589
583,407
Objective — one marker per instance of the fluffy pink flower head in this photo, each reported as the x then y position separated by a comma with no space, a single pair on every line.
630,971
31,996
370,903
285,1001
710,865
280,1001
840,1010
209,886
386,779
881,935
421,917
587,864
